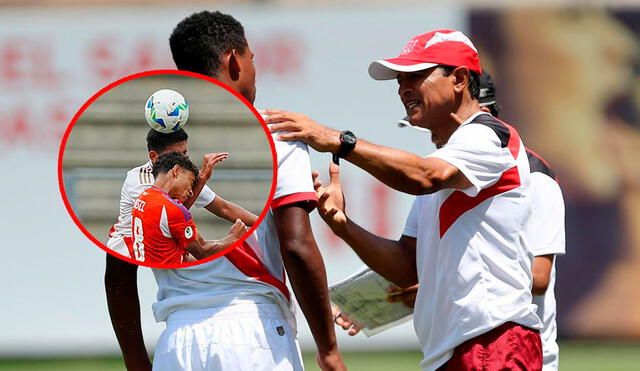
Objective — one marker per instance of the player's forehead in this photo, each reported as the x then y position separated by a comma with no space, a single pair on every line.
192,175
188,174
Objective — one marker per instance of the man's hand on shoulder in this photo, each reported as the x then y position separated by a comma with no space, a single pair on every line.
302,128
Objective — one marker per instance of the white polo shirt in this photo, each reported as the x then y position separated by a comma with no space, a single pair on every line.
473,261
253,272
547,237
137,181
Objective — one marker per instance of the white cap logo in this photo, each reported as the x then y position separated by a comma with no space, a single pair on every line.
188,232
409,47
440,37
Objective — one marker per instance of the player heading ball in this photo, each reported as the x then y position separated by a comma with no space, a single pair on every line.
163,229
176,173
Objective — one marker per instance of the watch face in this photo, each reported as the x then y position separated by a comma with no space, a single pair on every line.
348,137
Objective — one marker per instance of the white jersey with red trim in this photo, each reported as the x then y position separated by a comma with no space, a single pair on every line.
137,181
253,272
473,258
547,238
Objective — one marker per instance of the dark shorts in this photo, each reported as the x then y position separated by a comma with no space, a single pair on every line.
508,347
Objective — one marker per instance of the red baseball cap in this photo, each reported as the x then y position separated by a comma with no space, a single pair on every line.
439,47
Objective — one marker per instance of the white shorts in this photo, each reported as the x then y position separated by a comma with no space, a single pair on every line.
245,336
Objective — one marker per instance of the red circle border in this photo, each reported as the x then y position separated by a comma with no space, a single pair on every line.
164,72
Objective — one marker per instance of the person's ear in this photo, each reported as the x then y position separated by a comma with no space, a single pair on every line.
234,65
175,171
153,156
460,79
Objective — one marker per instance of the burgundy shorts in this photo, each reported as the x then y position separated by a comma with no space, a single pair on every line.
508,347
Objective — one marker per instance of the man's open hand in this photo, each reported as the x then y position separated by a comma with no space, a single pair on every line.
331,205
209,161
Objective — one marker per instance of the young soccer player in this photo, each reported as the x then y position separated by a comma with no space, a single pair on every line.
235,313
141,177
163,229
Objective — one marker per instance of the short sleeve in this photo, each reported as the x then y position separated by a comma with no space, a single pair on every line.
294,183
181,226
547,216
133,186
207,195
477,152
411,225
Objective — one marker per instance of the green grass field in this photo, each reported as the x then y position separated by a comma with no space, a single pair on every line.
575,356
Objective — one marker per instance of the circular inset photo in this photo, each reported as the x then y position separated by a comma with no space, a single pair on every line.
167,169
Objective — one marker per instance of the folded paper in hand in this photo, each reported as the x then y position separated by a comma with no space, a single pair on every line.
363,298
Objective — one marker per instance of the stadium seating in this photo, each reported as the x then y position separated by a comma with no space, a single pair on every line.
109,139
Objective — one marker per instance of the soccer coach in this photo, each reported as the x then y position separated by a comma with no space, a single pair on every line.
465,238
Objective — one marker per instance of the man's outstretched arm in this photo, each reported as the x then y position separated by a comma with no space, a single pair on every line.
400,170
305,268
393,260
120,281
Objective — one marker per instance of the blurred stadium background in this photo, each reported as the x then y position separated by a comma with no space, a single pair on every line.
567,76
109,139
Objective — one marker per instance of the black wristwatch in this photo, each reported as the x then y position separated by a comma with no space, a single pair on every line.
347,144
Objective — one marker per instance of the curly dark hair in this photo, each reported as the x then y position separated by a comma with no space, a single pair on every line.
474,80
157,141
199,41
168,160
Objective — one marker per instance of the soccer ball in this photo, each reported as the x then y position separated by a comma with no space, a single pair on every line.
166,111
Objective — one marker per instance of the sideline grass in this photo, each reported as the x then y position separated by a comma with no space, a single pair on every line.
599,356
574,356
372,361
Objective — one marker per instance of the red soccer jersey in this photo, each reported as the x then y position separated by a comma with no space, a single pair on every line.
161,230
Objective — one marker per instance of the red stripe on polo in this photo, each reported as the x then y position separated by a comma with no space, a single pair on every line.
295,197
245,259
458,202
